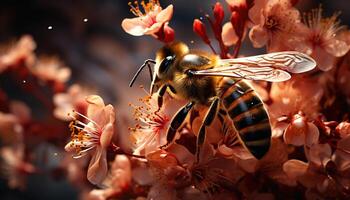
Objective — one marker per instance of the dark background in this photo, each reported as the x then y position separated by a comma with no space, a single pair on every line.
100,53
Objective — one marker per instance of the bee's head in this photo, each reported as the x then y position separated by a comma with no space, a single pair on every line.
166,59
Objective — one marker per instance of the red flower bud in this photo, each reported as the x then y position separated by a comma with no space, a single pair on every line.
199,29
237,23
169,34
218,13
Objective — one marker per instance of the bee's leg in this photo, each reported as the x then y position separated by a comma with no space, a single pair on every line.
161,93
176,122
208,119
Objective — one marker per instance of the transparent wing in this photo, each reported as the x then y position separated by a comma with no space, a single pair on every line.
272,67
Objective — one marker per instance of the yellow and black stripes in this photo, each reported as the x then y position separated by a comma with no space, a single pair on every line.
248,115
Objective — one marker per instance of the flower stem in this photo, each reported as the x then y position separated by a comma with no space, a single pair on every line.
237,48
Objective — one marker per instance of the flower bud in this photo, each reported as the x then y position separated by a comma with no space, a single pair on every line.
199,29
169,34
218,13
237,23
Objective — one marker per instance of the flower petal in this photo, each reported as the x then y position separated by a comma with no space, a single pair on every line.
295,168
95,104
107,135
323,59
312,134
134,26
337,48
228,34
153,29
295,132
258,36
166,14
97,170
320,154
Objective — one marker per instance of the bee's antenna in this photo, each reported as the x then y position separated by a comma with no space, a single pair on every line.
146,63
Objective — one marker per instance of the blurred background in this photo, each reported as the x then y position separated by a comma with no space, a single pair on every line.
86,35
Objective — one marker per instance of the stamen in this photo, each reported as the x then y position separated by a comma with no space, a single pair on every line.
83,116
135,7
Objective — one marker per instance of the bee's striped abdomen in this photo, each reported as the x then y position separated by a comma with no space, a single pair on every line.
248,115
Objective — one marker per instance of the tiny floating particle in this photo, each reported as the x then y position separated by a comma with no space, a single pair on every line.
85,20
49,27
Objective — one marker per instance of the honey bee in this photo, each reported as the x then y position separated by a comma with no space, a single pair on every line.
204,78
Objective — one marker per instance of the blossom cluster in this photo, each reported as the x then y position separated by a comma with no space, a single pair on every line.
309,156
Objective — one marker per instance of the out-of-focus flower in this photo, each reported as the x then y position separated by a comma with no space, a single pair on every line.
167,169
75,170
21,111
298,94
326,171
120,177
13,166
276,23
74,99
320,39
10,129
149,22
343,129
300,132
117,181
22,51
94,137
291,97
150,134
51,69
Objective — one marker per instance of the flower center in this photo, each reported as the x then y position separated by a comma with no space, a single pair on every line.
271,23
143,8
85,136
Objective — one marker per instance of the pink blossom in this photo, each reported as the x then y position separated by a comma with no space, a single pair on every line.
168,172
147,23
326,171
21,111
117,181
14,166
50,69
10,129
73,99
150,134
298,94
290,98
300,132
93,137
21,51
320,39
275,23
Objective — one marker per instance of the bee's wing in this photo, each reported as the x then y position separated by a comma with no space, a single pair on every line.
272,67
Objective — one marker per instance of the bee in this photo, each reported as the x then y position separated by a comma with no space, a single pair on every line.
205,79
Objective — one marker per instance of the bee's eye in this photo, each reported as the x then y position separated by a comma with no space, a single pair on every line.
165,64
